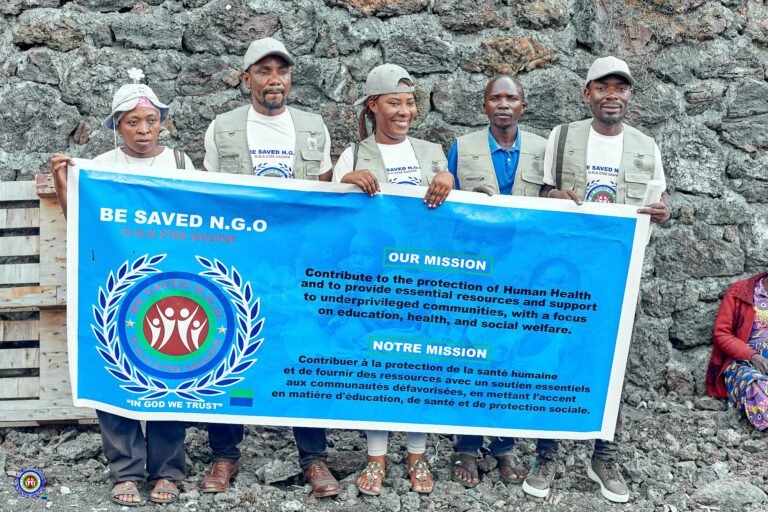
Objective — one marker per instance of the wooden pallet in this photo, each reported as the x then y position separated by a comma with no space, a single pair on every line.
34,373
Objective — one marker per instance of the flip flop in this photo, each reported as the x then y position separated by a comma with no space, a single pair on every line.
468,463
163,485
128,488
509,461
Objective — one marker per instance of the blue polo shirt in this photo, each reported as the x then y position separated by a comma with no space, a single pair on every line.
504,162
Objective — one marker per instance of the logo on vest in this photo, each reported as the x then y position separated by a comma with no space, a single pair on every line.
273,170
170,332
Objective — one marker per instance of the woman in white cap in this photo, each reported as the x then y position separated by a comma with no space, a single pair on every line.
137,115
391,156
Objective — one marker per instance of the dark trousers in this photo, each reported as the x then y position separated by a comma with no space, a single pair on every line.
224,439
132,456
472,444
604,450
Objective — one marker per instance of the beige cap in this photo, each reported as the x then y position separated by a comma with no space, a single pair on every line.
127,98
385,79
610,65
261,48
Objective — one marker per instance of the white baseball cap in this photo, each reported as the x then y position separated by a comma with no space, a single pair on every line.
261,48
127,97
385,79
610,65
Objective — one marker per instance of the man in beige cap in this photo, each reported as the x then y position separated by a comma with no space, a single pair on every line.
266,138
600,160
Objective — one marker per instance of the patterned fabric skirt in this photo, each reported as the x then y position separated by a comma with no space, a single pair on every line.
748,388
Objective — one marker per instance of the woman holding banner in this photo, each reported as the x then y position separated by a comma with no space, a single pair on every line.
390,155
738,368
137,116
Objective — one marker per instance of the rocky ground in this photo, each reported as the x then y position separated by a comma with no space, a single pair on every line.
678,454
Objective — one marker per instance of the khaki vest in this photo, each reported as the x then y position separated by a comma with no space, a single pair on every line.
475,166
429,155
231,138
638,162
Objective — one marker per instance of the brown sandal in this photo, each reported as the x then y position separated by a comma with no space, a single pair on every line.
164,486
419,474
509,464
373,473
468,464
127,488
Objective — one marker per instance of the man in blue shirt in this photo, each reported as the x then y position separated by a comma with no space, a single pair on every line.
499,159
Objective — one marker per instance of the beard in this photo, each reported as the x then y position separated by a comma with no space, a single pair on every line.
272,105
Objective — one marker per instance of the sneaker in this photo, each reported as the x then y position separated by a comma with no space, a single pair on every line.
539,480
612,484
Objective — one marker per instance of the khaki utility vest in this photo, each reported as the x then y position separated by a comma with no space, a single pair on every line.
638,162
231,136
429,155
475,166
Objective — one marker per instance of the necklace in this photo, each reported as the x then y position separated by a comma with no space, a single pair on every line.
129,163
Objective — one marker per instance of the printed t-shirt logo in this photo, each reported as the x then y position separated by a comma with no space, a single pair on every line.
273,170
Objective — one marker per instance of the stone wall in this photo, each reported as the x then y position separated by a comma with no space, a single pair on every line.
701,69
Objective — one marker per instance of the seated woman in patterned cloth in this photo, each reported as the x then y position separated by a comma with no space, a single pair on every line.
738,368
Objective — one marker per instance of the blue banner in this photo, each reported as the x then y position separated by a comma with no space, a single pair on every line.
222,298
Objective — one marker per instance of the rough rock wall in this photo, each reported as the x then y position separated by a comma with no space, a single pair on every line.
701,67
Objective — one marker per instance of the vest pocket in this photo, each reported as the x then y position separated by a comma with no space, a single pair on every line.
532,176
311,158
636,182
229,162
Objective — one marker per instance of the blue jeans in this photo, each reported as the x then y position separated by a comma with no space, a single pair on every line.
472,444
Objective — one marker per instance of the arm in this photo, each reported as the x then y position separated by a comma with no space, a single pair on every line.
59,165
548,189
723,336
453,163
211,160
326,163
343,173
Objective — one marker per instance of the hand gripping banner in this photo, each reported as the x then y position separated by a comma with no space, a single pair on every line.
223,298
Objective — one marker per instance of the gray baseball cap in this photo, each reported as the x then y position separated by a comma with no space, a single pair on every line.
127,98
261,48
610,65
384,79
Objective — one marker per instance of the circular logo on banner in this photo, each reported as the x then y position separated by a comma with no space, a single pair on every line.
161,333
175,325
30,483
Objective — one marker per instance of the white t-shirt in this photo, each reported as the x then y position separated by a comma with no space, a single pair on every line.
166,159
602,167
399,161
272,142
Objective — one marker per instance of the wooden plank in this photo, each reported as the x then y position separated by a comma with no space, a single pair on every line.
17,191
19,245
19,387
24,297
30,412
53,330
15,218
13,358
19,330
53,243
54,376
44,186
20,273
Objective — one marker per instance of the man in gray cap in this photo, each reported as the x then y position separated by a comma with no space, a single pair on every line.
266,138
606,161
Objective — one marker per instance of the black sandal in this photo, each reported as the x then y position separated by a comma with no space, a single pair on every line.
467,463
509,461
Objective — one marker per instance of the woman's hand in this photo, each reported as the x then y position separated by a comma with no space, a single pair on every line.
564,194
438,190
760,363
60,162
363,179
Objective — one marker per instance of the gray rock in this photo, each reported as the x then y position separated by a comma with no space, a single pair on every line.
459,98
731,494
415,45
149,30
541,14
219,30
467,15
85,446
50,28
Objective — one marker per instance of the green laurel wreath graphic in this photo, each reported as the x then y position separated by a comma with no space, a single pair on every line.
239,359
